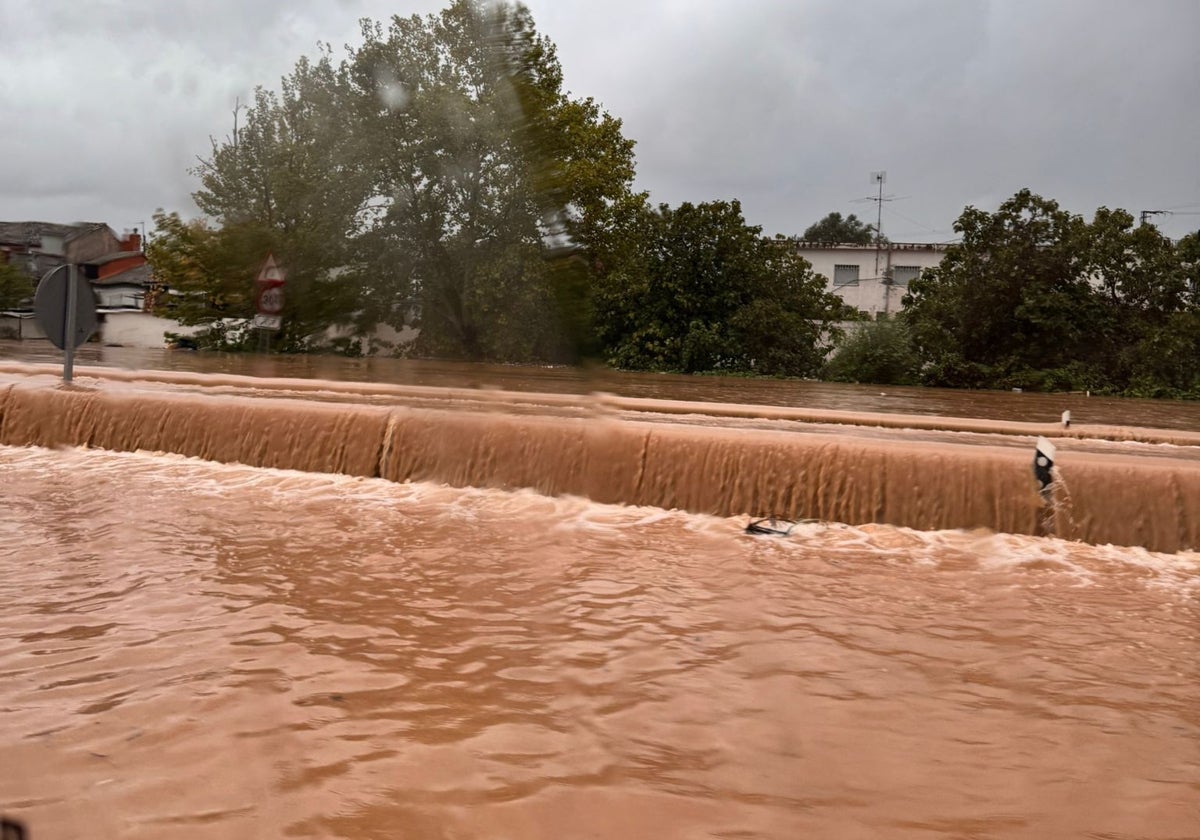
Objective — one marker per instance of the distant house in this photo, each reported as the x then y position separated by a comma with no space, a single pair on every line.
115,265
872,279
121,277
38,247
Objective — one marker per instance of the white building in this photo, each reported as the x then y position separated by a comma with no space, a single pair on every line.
872,279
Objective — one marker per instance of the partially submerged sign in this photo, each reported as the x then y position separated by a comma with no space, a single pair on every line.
1043,466
65,308
62,293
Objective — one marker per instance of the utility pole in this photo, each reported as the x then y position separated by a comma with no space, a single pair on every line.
879,178
1146,214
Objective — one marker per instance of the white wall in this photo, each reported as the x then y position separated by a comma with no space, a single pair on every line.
12,326
117,296
389,337
133,328
380,342
52,244
871,294
138,329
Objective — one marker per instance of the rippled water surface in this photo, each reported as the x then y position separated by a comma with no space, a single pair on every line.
196,650
992,405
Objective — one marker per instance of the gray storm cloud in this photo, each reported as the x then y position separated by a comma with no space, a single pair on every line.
786,106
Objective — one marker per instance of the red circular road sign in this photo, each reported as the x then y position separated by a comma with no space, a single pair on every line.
270,300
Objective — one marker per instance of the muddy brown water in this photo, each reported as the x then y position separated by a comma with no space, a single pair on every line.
995,405
193,649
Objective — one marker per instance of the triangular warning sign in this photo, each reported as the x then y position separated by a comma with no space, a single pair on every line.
270,272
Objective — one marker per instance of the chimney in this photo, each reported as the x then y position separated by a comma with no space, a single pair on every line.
132,241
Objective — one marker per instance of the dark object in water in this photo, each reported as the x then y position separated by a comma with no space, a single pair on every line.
771,526
1043,464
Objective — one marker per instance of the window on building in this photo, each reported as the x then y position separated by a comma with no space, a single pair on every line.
901,274
845,275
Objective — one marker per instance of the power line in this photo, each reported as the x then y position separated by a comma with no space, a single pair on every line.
1146,214
919,224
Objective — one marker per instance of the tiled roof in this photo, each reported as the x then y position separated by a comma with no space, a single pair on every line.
19,232
139,275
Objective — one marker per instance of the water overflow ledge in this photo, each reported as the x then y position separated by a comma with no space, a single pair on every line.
1121,499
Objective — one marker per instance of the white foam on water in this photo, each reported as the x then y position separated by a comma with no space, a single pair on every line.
988,551
1081,563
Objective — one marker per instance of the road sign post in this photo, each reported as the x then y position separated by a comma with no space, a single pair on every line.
65,308
69,327
269,302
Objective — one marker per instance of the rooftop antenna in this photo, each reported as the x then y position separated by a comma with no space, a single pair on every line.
1146,214
880,178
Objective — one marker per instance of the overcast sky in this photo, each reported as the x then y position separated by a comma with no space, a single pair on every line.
786,105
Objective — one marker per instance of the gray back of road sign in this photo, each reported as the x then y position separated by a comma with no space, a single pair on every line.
50,307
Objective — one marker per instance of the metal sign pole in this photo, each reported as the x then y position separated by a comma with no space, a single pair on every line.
65,311
69,318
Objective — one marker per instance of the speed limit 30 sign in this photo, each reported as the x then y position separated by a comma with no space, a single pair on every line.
270,300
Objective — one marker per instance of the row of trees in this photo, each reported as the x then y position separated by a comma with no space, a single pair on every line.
438,175
1039,298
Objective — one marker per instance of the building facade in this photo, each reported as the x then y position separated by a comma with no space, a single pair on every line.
872,279
115,265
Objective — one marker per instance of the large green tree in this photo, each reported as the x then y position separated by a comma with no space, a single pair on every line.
291,180
427,177
1144,292
205,275
1014,296
697,289
1035,296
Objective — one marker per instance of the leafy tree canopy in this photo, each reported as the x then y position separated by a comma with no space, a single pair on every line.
424,177
700,290
16,287
1035,296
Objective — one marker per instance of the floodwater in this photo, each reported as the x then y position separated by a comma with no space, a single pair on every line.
993,405
197,650
192,649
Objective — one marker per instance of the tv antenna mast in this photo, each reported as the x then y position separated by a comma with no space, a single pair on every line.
1146,214
879,178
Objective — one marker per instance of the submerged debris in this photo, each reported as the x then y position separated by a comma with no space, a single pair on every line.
772,525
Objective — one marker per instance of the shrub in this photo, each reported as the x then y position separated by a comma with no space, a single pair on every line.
880,352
